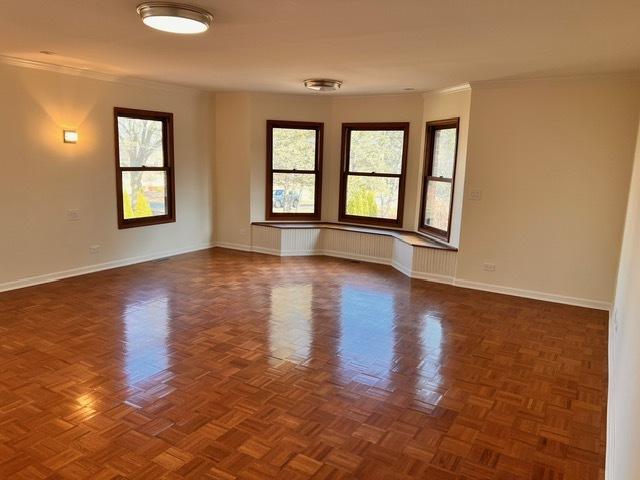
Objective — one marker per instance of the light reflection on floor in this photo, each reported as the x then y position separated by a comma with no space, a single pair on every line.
146,328
190,367
431,338
366,334
290,321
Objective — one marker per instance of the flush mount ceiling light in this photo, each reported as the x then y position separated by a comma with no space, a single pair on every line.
175,17
322,84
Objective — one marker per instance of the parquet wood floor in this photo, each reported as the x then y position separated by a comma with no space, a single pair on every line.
229,365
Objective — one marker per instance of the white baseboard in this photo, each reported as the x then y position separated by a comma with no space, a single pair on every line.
535,295
266,251
297,253
429,277
236,246
52,277
74,272
402,268
432,277
609,470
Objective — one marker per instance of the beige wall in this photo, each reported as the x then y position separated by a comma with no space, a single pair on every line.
552,159
623,436
240,165
440,106
381,108
42,178
232,172
241,150
265,107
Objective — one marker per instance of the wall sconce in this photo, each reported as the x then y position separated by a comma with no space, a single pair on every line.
70,136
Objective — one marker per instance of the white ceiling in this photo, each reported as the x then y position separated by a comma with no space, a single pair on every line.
374,46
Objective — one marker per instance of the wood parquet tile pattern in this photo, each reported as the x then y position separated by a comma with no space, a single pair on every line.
229,365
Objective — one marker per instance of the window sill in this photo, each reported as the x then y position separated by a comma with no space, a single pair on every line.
415,239
433,236
145,222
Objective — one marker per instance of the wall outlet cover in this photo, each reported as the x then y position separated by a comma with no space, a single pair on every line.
475,195
73,215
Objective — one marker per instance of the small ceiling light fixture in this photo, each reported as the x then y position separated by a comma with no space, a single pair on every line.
175,17
322,84
70,136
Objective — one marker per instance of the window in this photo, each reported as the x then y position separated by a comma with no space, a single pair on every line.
439,176
144,167
374,162
294,165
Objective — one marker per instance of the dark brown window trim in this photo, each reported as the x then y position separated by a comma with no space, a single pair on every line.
431,129
347,128
319,128
167,146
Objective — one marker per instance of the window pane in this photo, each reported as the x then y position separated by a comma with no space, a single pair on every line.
372,196
293,193
140,142
444,152
436,213
144,194
378,151
294,148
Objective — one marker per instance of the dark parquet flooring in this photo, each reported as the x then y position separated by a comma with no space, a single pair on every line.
230,365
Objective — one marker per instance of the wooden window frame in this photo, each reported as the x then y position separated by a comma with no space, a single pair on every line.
430,132
347,128
168,167
318,127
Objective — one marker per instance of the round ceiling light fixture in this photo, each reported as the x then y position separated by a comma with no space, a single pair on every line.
322,84
175,17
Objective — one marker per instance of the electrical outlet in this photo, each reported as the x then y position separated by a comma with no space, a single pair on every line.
475,195
93,249
73,215
489,267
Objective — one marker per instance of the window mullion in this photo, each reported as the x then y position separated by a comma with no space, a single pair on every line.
304,172
372,174
440,179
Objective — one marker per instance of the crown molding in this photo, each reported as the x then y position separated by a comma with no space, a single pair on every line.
94,74
514,81
464,87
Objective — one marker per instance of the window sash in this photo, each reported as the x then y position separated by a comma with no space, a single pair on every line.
318,127
431,129
347,128
167,160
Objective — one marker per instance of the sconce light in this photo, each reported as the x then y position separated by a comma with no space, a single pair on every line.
70,136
